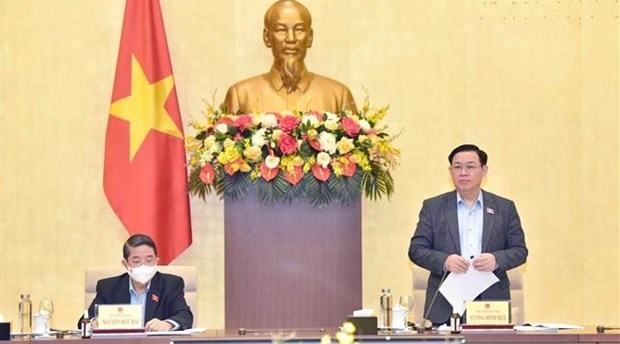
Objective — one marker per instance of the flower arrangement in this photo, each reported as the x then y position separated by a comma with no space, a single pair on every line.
318,156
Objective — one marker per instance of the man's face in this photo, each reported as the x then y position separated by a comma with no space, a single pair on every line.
288,34
467,172
141,255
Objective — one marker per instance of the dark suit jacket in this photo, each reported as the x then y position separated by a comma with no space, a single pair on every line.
437,236
165,298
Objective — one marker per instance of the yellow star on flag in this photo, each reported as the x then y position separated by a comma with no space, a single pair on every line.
144,107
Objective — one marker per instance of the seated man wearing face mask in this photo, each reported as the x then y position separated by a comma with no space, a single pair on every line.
161,295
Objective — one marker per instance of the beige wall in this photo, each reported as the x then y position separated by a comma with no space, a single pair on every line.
535,83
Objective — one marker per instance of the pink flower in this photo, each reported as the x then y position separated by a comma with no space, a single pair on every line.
348,168
243,122
295,175
320,173
267,172
287,144
350,126
288,123
207,174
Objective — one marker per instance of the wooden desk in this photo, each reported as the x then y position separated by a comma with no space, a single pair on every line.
585,336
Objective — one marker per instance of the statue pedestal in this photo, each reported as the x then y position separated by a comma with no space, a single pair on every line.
291,265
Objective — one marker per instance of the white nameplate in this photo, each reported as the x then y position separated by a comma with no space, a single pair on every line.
119,316
488,312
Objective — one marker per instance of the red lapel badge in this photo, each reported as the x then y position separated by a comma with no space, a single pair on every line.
154,297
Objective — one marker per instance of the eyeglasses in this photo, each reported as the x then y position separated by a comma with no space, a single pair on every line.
469,168
148,261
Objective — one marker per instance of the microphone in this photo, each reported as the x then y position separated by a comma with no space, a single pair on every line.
601,328
425,320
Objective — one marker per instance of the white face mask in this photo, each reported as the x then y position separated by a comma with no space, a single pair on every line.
143,273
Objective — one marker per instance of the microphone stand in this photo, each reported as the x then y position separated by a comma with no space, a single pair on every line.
423,326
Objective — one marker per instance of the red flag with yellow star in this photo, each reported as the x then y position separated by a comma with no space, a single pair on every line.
145,175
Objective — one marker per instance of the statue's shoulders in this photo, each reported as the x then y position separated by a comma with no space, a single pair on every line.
251,82
325,81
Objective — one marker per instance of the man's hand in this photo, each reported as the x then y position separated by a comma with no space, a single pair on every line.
456,263
156,325
484,262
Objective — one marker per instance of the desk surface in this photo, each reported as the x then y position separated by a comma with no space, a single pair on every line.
587,335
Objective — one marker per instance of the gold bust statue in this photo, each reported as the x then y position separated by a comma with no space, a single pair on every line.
288,85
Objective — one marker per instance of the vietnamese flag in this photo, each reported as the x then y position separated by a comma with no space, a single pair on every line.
145,175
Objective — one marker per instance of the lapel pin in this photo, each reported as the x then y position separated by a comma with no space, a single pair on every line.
490,211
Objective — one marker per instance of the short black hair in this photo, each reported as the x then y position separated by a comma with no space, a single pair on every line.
469,148
138,240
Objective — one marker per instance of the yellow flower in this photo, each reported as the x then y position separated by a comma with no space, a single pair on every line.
253,153
348,327
298,161
276,134
345,145
245,167
228,155
228,143
312,133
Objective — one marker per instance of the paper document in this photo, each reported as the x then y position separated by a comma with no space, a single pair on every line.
459,288
177,333
546,327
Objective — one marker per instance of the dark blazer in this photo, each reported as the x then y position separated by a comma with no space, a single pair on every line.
165,298
437,236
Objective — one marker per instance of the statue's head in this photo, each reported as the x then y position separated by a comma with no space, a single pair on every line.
288,31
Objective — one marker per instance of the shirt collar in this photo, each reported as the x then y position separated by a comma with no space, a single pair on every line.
133,290
459,200
275,80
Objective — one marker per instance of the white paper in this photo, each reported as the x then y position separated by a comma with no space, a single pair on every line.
169,333
546,327
458,288
177,333
363,312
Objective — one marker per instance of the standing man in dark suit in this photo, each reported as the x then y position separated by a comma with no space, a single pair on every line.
161,295
468,226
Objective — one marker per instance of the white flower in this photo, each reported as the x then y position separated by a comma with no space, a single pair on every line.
211,147
323,159
258,139
332,116
328,142
221,128
364,125
272,161
269,120
331,124
309,118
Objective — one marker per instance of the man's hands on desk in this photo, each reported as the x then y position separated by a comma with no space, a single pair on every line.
482,262
156,325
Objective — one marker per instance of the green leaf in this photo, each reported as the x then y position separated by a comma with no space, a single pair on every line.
235,186
346,189
196,186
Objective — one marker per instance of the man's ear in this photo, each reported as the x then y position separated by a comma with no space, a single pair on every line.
310,37
266,39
